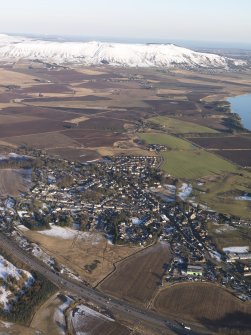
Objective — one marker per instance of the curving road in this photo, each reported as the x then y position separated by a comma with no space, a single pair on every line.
82,291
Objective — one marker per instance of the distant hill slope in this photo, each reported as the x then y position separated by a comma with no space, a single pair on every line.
116,54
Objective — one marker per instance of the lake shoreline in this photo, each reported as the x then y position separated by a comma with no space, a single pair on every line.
241,105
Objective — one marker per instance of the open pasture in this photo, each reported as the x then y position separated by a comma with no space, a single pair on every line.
180,127
171,142
183,160
194,164
79,251
224,235
221,193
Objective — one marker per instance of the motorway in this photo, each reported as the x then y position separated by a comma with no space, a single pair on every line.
120,307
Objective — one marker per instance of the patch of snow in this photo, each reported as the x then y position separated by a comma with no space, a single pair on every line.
136,221
59,316
6,324
40,254
237,250
21,213
93,160
184,191
84,317
23,228
224,227
10,203
8,271
61,232
170,187
216,255
244,198
70,234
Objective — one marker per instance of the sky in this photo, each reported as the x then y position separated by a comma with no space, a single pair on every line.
151,20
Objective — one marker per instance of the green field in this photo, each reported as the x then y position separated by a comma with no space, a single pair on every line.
194,164
172,142
180,127
220,194
185,161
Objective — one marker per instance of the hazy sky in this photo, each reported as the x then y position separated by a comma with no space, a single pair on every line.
205,20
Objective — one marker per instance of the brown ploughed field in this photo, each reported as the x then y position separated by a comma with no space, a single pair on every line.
205,303
138,278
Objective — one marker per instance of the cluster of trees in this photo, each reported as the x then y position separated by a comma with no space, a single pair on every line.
64,220
37,222
114,221
22,310
233,122
65,182
16,164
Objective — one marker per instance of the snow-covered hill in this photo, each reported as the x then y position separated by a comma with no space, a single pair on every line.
116,54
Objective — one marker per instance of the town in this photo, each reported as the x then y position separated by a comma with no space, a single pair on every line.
121,197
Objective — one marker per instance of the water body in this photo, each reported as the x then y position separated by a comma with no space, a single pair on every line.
242,106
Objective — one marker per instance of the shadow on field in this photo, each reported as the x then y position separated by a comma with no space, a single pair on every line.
237,323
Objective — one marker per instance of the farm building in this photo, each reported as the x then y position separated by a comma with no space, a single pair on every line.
194,270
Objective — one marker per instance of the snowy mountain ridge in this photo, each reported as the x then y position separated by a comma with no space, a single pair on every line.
116,54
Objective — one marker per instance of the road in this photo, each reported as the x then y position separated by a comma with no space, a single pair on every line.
118,306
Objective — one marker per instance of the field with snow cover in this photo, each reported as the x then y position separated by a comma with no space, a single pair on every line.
86,321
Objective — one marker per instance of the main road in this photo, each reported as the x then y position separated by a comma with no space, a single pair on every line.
69,285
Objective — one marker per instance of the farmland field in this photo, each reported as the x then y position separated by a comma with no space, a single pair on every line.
220,194
90,112
240,157
226,142
14,181
43,140
225,236
31,127
183,160
204,303
88,321
170,141
138,278
179,126
90,138
74,154
193,164
80,251
186,161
